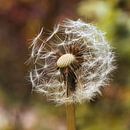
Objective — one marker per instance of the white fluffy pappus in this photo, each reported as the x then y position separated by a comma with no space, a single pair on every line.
92,58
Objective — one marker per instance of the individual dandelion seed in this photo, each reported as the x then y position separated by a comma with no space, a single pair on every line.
72,64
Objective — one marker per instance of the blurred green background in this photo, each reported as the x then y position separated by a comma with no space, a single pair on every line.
20,21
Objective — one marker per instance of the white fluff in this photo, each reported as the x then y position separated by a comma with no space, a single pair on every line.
94,70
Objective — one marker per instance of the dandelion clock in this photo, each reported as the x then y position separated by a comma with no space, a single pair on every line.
71,65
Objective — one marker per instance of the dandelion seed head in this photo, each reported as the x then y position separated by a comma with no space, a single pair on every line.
75,57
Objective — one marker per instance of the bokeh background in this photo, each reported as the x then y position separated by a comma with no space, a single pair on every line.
22,109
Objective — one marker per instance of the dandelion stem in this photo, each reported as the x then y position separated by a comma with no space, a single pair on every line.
70,114
70,107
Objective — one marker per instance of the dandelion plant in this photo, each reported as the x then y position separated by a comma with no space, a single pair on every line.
71,65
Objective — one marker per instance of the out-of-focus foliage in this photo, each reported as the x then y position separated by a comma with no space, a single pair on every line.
20,21
113,16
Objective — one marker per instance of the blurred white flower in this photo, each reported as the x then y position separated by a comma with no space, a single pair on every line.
75,57
29,119
4,118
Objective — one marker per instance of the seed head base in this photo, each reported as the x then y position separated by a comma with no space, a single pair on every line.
65,60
